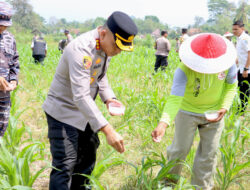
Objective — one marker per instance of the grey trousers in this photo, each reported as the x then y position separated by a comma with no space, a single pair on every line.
205,158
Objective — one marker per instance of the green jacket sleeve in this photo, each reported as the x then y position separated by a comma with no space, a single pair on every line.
171,108
229,93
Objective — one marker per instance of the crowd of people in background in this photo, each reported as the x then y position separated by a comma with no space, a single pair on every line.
210,69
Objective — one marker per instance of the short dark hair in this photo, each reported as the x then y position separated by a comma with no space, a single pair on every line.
184,30
66,31
239,23
163,32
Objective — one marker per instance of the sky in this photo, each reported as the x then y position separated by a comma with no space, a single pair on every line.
179,13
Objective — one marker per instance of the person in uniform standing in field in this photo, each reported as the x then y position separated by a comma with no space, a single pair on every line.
72,114
63,43
243,62
39,49
182,38
205,81
9,65
184,35
162,46
68,36
177,44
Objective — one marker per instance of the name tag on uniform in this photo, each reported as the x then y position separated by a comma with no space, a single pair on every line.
97,66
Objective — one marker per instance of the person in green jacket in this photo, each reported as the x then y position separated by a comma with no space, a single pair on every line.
205,81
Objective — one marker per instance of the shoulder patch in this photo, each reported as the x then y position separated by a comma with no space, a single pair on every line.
87,62
222,76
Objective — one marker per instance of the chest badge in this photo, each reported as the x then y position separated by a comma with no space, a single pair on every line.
222,76
94,73
197,85
98,61
92,80
87,62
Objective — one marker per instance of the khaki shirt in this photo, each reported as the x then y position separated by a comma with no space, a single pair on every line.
79,77
162,46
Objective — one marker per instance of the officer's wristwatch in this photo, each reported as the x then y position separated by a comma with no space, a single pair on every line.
246,69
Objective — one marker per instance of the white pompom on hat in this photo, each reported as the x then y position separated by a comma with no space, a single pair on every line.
208,53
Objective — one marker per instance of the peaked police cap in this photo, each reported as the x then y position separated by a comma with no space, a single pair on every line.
124,30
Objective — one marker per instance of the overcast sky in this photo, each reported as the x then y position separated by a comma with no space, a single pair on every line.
173,12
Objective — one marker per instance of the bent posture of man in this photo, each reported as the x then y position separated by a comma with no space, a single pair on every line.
73,117
205,81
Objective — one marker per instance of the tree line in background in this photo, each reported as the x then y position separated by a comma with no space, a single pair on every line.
221,16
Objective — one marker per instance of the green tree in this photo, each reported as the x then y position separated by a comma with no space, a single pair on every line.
63,21
99,21
243,12
198,21
153,18
219,7
25,16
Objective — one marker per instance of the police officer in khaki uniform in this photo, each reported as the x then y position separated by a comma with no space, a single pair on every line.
162,46
73,117
68,36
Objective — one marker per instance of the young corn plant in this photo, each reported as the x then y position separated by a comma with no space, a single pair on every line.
14,135
232,170
103,165
183,184
15,169
146,179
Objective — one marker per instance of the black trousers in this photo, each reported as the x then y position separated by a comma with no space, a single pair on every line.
161,61
38,58
73,153
244,85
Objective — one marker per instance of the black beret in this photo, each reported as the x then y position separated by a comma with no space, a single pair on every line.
123,28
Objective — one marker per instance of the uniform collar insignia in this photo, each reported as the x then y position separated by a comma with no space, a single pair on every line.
97,44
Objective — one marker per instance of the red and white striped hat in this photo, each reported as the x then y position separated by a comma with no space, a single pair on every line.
208,53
